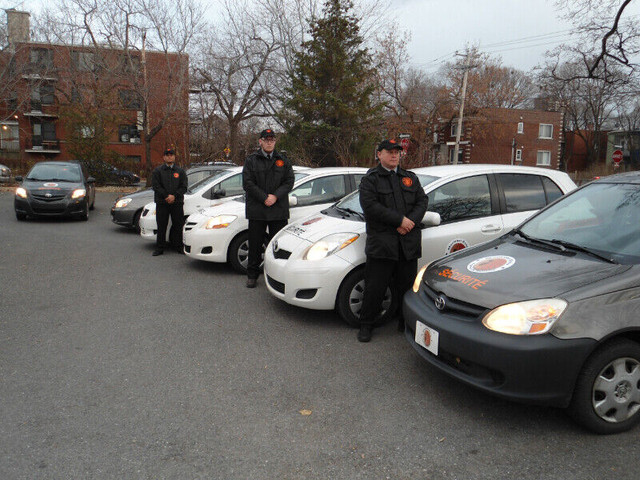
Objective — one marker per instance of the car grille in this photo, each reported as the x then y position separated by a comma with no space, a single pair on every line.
456,306
50,197
189,226
282,254
277,286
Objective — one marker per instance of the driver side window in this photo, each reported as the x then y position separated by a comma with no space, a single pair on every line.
320,190
231,186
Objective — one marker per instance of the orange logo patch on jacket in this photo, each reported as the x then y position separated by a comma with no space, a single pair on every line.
279,163
176,175
407,182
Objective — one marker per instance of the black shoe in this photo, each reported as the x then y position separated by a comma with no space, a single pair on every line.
364,335
157,252
251,282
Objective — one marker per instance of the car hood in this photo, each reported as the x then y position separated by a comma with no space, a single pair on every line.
507,270
145,193
317,226
50,186
223,206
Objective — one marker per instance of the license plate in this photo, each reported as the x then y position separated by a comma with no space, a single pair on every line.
427,337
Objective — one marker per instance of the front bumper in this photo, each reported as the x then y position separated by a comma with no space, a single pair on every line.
56,208
148,226
208,245
304,283
123,216
538,369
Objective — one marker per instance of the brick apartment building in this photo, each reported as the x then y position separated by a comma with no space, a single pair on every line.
503,136
50,90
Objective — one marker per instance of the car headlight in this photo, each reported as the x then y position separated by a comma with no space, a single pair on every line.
220,221
418,280
123,202
78,193
21,192
329,245
532,317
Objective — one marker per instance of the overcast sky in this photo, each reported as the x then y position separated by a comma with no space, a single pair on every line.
519,31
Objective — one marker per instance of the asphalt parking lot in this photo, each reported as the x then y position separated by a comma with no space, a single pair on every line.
117,364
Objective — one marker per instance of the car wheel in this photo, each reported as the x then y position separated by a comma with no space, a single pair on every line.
85,215
238,255
350,296
606,398
93,203
21,216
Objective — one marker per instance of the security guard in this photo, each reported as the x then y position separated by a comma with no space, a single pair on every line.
169,183
267,178
394,203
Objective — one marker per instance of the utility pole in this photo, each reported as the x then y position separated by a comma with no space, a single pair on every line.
467,67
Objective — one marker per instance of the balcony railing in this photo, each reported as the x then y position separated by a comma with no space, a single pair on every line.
38,144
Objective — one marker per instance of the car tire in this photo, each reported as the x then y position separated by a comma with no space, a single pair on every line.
349,301
606,398
238,254
85,216
93,203
21,216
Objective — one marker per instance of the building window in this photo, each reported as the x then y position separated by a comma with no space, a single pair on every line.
133,159
129,134
451,153
83,61
87,131
520,127
518,155
544,158
41,58
454,128
130,99
129,64
546,131
10,137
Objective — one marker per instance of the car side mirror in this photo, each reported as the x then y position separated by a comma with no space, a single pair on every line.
18,178
220,193
293,201
430,219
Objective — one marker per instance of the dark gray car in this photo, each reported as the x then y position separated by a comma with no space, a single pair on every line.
126,210
547,314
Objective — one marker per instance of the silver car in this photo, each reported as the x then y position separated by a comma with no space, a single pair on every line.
5,174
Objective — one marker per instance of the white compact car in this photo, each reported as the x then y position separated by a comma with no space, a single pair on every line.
220,233
318,262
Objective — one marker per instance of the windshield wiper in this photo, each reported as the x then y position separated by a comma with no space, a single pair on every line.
540,241
349,210
580,248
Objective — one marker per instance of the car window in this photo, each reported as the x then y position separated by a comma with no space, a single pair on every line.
522,192
205,181
231,186
600,217
461,199
195,177
551,189
63,173
357,177
320,190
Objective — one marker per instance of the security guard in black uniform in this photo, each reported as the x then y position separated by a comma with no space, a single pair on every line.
394,204
267,178
169,183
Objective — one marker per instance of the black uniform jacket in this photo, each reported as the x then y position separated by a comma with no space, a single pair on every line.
261,177
384,210
168,181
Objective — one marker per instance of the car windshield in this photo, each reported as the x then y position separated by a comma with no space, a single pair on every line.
206,180
601,218
55,173
352,202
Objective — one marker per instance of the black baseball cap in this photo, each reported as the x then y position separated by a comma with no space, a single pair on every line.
169,151
266,133
389,145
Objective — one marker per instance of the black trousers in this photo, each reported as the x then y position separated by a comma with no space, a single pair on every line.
378,275
163,212
258,235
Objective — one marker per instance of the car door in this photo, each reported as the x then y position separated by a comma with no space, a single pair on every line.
523,194
317,194
469,213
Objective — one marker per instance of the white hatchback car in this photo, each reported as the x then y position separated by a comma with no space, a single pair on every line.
213,190
318,262
220,233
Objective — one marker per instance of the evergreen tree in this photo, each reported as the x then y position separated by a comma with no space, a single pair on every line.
329,110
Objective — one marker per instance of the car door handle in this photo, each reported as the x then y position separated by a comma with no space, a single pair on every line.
491,228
